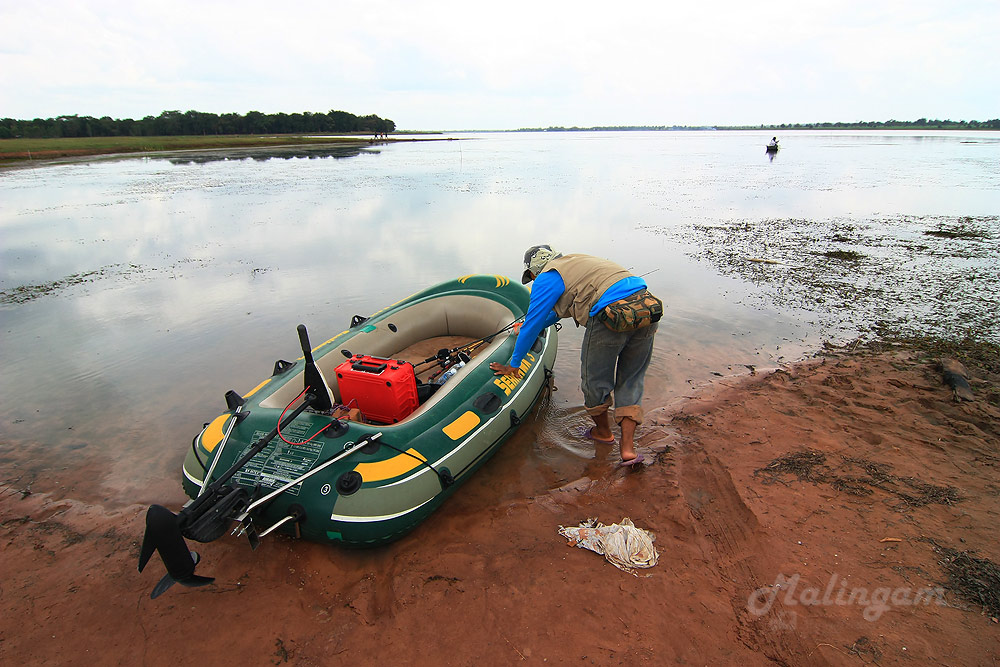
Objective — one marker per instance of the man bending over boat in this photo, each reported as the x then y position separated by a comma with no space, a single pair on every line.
620,317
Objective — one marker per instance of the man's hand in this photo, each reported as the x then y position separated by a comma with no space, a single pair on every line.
501,369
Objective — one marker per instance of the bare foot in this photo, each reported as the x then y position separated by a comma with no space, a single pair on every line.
628,439
593,434
601,431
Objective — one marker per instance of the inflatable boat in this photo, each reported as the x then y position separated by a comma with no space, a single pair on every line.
365,435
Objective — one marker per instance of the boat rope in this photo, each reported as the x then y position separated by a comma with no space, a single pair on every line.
444,475
194,448
286,440
549,386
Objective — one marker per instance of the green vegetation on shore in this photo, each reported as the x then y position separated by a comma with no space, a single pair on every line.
14,151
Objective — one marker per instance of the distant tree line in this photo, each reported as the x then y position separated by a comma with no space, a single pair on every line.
617,128
174,123
919,124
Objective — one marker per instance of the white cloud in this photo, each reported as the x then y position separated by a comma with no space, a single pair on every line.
460,65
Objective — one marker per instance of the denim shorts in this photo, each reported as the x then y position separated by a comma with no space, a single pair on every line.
614,364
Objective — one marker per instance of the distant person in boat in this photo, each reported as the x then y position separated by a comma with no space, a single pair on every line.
773,144
603,297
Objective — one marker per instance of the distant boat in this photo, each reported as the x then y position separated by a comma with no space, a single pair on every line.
771,147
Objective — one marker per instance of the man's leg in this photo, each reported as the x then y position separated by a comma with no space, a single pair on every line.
598,358
632,365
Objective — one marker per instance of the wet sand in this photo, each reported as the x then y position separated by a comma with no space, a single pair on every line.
854,471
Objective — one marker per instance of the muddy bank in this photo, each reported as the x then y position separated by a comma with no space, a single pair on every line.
841,511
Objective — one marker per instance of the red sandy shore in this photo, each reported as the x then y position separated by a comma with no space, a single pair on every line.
899,474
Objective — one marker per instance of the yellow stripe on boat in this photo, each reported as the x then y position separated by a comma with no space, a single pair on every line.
213,432
461,426
502,281
257,388
394,467
332,339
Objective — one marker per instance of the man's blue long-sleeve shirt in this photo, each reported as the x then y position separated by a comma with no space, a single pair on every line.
545,292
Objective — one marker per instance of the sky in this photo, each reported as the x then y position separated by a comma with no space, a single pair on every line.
443,65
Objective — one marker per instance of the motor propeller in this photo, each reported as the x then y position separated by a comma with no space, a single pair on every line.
163,534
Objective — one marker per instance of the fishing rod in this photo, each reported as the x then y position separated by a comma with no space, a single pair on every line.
444,354
643,274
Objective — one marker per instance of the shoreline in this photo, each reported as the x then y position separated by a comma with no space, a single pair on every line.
852,470
139,147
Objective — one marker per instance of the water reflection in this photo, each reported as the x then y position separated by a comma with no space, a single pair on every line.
197,270
262,154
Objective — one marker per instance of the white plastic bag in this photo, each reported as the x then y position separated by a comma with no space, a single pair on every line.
622,544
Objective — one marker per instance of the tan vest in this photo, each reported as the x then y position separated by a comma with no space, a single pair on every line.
586,278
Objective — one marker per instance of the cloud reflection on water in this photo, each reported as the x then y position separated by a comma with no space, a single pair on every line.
222,258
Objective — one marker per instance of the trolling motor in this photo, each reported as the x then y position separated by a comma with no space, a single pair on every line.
207,517
313,377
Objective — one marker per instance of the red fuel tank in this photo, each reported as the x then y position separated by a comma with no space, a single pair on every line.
385,390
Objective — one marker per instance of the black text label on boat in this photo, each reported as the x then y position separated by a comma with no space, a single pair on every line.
279,462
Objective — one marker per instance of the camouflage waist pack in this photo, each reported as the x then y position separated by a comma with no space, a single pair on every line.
633,312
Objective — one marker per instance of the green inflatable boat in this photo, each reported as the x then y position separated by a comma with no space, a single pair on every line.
360,439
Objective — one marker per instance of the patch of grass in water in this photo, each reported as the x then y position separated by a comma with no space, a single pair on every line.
965,228
954,234
24,293
844,255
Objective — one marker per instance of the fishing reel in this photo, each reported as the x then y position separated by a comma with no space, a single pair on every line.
449,361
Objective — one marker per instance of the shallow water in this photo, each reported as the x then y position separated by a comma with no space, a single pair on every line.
136,291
